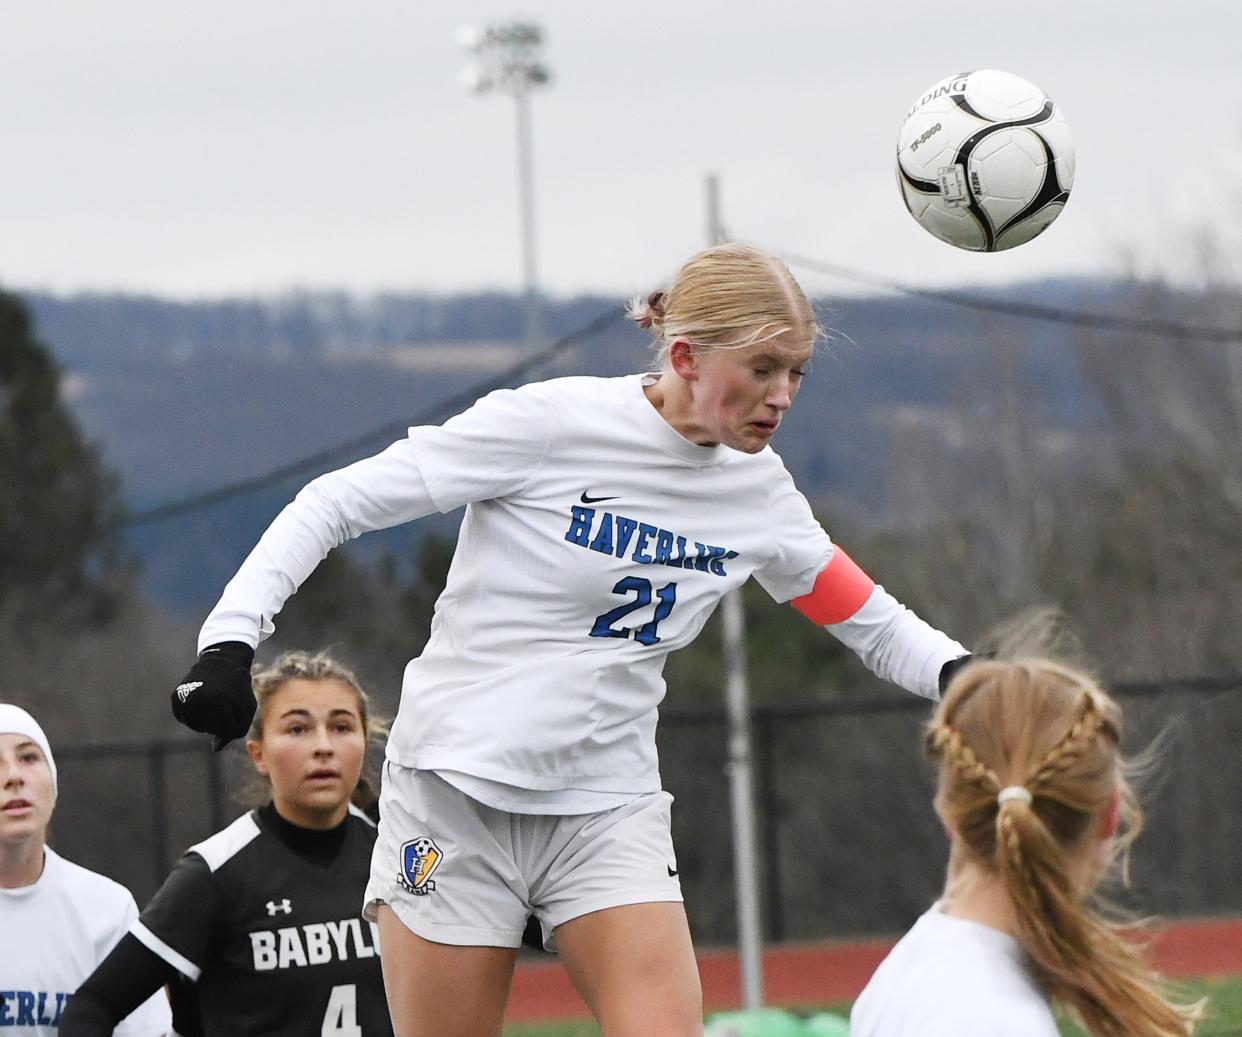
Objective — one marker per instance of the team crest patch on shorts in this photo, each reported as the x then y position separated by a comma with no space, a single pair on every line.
419,859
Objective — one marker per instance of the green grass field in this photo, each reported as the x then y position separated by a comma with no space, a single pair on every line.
1224,1005
1224,1014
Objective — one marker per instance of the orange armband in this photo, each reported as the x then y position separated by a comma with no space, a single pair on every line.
840,590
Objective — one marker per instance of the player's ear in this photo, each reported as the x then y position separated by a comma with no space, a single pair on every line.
682,357
255,749
1110,818
948,828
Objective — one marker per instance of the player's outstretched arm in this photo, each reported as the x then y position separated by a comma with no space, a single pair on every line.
891,640
215,696
375,493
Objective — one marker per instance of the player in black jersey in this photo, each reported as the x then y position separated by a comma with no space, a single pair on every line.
263,918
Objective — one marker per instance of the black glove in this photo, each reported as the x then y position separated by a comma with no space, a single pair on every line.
950,670
216,696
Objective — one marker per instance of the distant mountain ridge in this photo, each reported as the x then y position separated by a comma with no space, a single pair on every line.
89,329
186,396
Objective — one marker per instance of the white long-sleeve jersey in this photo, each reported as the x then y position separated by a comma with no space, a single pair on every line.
596,540
56,931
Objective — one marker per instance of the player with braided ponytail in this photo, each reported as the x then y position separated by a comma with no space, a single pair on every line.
1034,797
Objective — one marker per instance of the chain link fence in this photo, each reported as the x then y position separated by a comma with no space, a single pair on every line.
849,845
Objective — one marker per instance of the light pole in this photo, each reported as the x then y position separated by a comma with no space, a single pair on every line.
508,57
741,756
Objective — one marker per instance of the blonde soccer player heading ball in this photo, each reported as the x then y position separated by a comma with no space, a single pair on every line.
605,518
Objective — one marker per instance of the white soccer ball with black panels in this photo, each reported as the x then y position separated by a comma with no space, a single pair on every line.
985,160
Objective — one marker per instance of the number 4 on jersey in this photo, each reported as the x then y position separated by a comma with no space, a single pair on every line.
641,589
340,1019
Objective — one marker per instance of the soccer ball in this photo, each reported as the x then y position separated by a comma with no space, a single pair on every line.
985,160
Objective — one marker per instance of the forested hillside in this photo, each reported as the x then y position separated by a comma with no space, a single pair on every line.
976,462
185,397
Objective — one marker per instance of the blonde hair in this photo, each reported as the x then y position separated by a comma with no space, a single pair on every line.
1053,731
726,297
319,666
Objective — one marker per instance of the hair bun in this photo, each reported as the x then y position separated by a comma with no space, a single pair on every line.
655,308
649,313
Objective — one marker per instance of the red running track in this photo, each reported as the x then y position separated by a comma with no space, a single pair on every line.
826,972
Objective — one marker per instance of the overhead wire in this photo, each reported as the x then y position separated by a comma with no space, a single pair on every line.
320,460
1031,310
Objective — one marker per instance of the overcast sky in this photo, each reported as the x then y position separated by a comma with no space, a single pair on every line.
243,146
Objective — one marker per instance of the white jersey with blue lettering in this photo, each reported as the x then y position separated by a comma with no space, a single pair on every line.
596,539
54,932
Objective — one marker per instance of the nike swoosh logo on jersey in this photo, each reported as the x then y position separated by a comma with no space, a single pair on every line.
594,500
672,872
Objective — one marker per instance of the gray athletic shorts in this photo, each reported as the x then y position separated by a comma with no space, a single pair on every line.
456,871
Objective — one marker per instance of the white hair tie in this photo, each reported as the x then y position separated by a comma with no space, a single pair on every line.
1013,792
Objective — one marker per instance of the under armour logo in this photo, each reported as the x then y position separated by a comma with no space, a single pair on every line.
183,690
284,907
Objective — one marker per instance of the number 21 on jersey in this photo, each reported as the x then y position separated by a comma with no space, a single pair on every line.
606,625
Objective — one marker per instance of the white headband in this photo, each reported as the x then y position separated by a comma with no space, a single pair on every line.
1013,792
16,721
